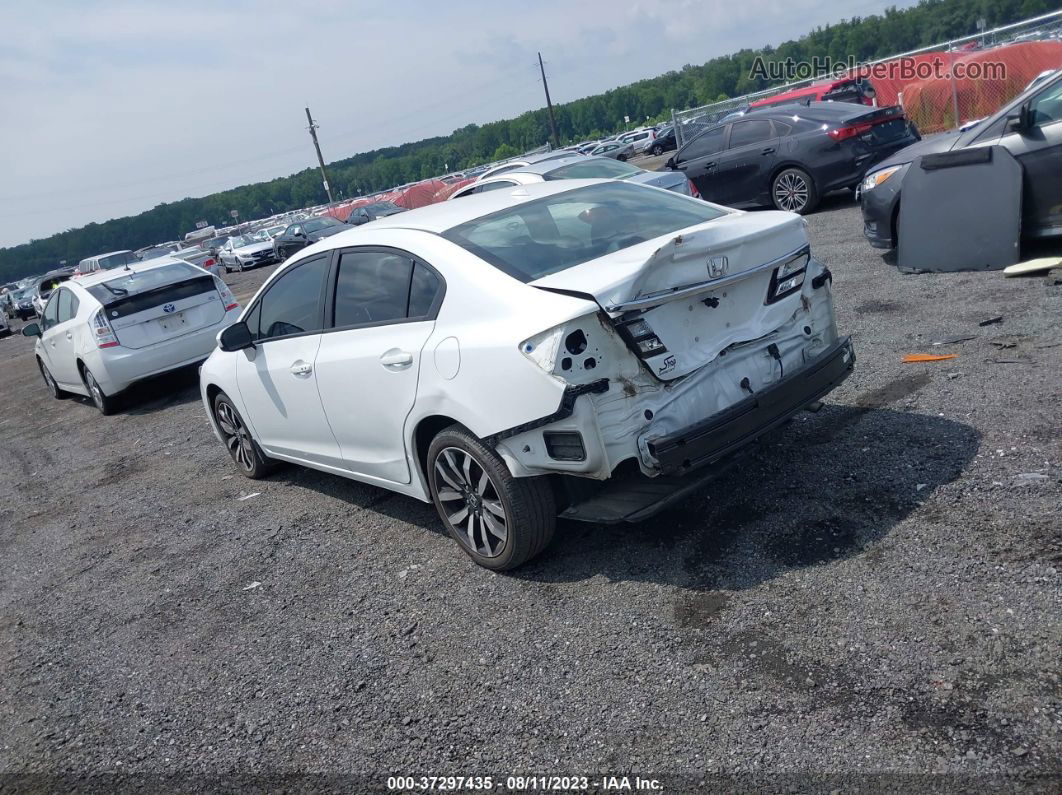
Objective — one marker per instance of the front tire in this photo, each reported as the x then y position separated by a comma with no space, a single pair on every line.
499,521
242,447
793,190
105,403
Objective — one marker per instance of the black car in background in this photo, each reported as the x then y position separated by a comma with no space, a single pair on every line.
665,141
370,212
791,155
302,233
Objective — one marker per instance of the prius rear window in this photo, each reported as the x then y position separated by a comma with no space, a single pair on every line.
548,235
135,282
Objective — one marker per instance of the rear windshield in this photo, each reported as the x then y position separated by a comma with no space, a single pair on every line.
594,169
118,260
548,235
135,282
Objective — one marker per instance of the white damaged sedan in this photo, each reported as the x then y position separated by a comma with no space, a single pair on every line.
584,348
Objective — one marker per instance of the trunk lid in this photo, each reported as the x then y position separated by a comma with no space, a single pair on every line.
700,290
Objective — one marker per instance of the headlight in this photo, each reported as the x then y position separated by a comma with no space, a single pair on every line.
875,178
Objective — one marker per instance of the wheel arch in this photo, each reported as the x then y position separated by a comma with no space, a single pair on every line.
425,430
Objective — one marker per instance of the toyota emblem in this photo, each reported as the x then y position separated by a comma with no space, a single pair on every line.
169,308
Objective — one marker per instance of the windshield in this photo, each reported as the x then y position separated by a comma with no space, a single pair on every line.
151,253
319,223
134,282
594,169
240,241
548,235
117,260
382,208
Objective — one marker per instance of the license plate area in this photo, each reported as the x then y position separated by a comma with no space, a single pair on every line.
172,322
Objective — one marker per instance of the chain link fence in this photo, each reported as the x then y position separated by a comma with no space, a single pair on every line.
940,87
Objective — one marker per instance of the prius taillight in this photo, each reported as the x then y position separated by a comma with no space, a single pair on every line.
102,332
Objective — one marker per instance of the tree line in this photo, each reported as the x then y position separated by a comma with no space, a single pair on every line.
875,36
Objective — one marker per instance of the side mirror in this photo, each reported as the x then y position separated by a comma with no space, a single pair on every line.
235,338
1020,121
31,330
299,234
670,163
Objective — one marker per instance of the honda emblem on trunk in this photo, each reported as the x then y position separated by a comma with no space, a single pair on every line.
718,266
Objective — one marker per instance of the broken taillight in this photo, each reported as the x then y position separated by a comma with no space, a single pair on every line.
641,338
788,277
226,295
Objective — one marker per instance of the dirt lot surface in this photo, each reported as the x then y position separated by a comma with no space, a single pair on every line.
877,589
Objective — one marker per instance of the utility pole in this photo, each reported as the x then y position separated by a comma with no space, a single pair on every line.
317,146
549,104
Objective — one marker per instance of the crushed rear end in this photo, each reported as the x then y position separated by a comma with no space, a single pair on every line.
704,340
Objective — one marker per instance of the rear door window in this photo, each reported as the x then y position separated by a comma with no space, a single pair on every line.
707,143
746,133
293,303
67,307
372,287
51,314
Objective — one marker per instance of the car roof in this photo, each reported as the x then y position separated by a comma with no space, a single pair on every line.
96,277
437,218
111,253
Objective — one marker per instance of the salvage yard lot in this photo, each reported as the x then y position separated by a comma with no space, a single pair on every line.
875,588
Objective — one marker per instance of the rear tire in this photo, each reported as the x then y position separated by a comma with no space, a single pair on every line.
499,521
793,190
658,150
105,403
244,450
49,382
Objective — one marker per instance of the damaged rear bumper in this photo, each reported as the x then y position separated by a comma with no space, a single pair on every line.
719,435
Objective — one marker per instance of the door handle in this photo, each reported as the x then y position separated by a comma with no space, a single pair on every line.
768,150
395,359
301,368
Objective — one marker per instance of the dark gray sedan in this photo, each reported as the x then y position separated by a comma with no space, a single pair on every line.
1030,128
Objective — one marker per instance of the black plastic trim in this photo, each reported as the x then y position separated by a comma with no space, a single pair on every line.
729,430
822,278
565,410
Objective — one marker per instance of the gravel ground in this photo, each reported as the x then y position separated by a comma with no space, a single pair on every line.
876,590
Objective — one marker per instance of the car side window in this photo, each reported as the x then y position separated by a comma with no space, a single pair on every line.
489,186
424,292
707,143
781,128
372,287
293,230
51,312
746,133
292,305
1046,107
67,306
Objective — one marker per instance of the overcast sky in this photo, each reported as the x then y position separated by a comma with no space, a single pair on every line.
111,108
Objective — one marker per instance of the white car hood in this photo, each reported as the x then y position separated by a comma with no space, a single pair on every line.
253,247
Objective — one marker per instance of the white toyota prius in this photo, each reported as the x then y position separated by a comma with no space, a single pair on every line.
103,332
586,348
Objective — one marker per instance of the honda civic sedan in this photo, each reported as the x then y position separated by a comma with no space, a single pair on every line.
582,347
103,332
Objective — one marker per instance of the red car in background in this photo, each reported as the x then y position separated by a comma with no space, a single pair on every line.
858,91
